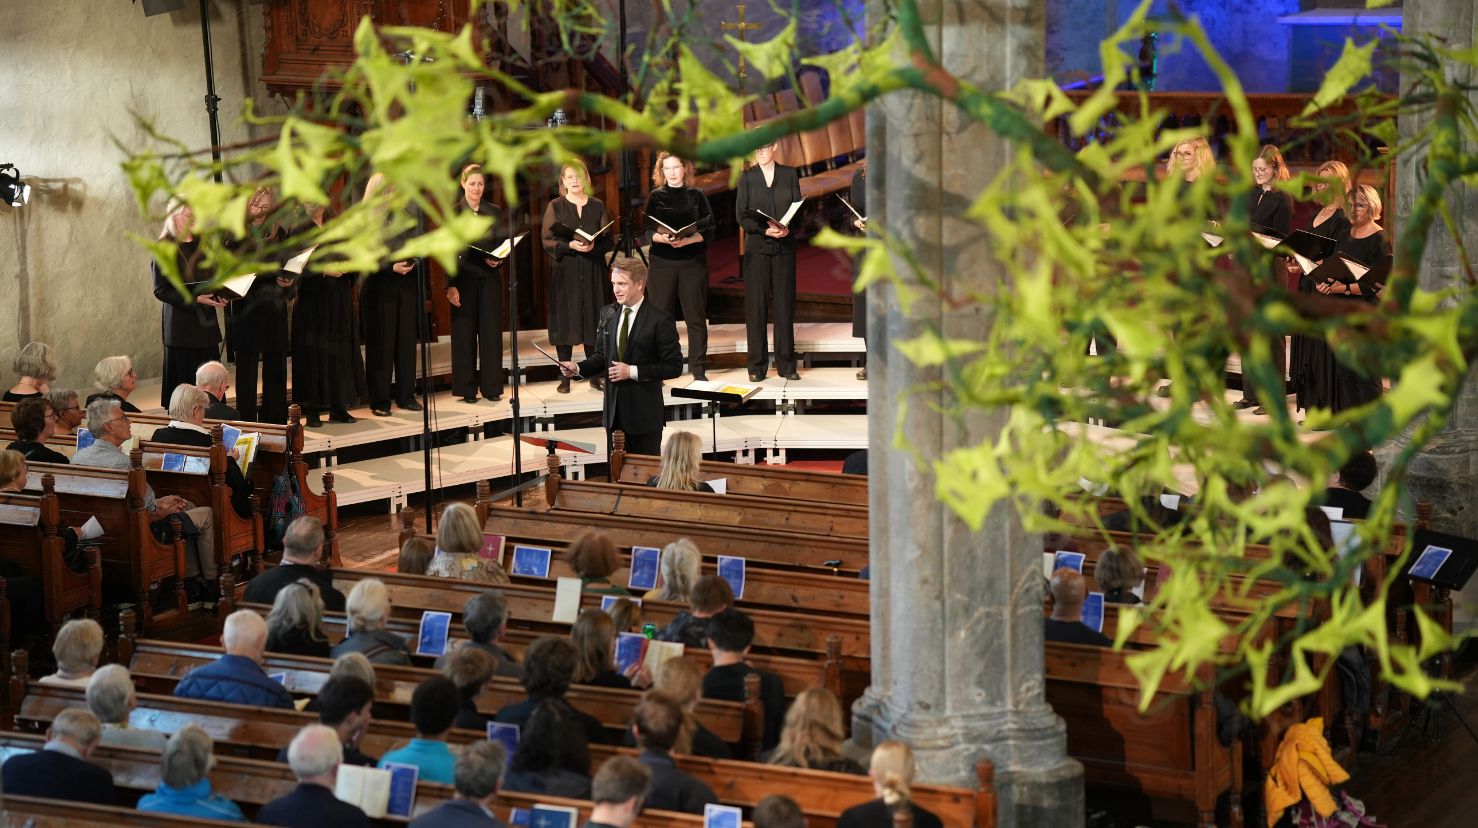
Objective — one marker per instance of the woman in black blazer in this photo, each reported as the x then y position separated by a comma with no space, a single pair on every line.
192,333
1269,212
892,775
769,261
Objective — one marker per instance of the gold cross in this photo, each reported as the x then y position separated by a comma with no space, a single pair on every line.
740,27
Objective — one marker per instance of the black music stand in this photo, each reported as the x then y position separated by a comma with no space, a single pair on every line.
711,402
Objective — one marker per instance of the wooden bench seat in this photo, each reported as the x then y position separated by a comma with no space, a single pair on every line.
774,482
236,536
33,812
30,535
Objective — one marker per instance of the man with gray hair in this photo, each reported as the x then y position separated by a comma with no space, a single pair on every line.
111,697
237,676
479,767
68,413
184,787
60,770
486,618
213,378
187,428
110,426
315,754
302,551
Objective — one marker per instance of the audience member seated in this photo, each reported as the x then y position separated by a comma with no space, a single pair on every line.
458,544
60,770
184,787
433,709
681,459
35,369
346,704
626,614
776,811
111,698
1118,574
77,648
34,421
213,378
109,424
26,592
548,670
470,669
302,552
655,723
618,791
855,463
1157,516
553,757
368,608
813,734
892,779
677,571
711,595
415,556
187,428
295,624
730,633
681,679
1344,492
1065,624
115,379
237,677
594,637
479,765
314,755
594,558
68,410
486,618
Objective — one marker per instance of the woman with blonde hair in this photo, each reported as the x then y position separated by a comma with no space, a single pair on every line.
1118,572
77,648
259,322
388,311
114,378
1308,353
1192,158
594,637
679,268
682,455
475,294
577,283
35,369
680,567
1335,385
682,679
368,608
812,735
295,624
458,541
892,779
192,331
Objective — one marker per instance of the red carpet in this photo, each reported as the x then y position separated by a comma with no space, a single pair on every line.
817,270
833,466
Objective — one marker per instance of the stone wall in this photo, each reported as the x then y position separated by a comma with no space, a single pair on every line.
74,75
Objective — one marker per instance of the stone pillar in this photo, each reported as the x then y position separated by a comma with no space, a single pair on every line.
1445,473
957,661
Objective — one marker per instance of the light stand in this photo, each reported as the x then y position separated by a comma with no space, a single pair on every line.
512,263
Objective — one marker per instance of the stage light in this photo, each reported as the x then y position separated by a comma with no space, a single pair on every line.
13,191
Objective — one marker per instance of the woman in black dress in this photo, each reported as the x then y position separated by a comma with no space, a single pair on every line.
1270,212
328,370
1336,385
259,326
1308,352
192,332
476,297
578,283
388,308
859,300
769,261
679,270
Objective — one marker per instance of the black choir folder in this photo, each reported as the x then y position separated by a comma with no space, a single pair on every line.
1341,269
1441,559
564,232
674,233
783,221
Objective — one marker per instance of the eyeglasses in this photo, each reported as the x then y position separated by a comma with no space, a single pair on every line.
70,408
123,417
1183,154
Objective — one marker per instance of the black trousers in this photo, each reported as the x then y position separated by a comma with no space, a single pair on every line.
477,338
566,352
1280,361
388,312
274,383
180,365
649,444
674,282
767,277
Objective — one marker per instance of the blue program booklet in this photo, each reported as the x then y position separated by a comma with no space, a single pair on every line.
1093,611
402,789
607,602
732,570
172,462
643,567
721,816
1071,560
280,678
519,816
84,438
229,435
435,628
629,649
506,735
532,561
1431,560
553,816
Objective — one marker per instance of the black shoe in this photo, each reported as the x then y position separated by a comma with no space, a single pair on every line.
1259,410
700,375
470,398
494,398
194,593
1244,403
862,374
756,376
564,386
342,415
597,383
411,405
377,410
1163,391
792,375
314,421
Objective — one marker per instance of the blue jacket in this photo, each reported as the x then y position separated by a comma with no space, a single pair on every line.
457,813
194,801
234,680
435,759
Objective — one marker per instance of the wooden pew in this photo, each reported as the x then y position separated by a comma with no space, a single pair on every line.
30,534
740,512
235,535
763,481
133,560
31,812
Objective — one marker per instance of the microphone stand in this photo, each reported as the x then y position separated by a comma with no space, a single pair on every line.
512,264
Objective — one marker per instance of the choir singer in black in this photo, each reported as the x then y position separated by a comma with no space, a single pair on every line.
476,297
192,332
1270,212
636,349
679,221
577,285
769,261
389,311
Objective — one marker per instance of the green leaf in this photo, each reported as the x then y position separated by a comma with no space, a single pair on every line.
1419,388
929,349
1352,67
771,58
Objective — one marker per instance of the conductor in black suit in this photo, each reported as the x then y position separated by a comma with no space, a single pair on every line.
636,349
